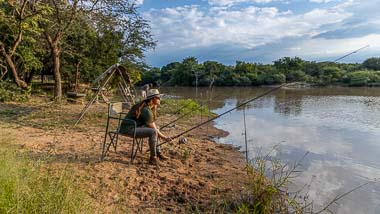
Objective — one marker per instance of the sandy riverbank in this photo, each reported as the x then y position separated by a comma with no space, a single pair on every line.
199,174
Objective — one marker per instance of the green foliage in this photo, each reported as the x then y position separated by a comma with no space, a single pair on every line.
150,76
271,77
363,78
331,74
372,63
187,72
290,67
283,70
168,70
183,106
266,190
11,92
26,187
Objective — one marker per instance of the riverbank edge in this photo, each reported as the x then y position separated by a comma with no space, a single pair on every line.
205,172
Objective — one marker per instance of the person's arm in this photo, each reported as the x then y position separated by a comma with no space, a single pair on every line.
162,136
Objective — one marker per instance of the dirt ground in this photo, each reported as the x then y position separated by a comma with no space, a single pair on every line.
198,176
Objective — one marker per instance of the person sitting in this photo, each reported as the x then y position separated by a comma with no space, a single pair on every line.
144,114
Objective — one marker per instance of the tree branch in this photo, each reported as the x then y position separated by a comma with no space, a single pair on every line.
19,36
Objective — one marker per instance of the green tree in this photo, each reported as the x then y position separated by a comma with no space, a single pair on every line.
331,74
212,70
271,77
120,16
288,65
168,71
247,72
372,63
311,68
188,72
151,75
19,29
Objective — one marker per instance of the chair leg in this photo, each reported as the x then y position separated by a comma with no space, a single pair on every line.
106,146
141,143
115,142
103,150
133,155
139,146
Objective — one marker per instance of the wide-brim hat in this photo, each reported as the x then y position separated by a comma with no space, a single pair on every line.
152,93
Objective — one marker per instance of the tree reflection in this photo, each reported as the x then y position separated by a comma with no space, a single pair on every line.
288,102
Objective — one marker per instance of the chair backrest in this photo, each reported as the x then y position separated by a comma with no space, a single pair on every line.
116,112
118,107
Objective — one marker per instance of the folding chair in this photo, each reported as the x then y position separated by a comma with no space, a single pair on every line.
114,119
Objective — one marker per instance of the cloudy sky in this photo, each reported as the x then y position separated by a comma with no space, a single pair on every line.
261,30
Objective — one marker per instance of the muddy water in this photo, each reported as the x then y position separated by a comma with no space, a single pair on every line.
339,127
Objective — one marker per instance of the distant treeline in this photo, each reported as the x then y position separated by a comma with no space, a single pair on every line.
287,69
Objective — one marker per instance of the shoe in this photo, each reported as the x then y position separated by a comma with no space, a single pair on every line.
153,160
161,156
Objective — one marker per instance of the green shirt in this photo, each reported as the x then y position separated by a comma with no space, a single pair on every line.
145,118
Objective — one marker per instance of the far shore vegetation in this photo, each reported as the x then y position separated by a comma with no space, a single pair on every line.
190,72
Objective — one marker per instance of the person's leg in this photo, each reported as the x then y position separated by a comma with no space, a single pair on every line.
142,132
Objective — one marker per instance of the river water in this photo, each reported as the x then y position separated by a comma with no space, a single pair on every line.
339,127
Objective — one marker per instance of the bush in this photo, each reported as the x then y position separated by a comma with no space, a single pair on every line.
271,77
362,78
11,92
183,106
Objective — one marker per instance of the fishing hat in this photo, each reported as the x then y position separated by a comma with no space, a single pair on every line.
152,93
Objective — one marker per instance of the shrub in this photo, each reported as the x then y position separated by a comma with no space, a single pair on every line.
271,77
362,78
183,106
11,92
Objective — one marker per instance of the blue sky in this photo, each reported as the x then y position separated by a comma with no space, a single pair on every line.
261,30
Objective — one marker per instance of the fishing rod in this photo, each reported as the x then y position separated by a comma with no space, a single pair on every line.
355,51
245,138
217,116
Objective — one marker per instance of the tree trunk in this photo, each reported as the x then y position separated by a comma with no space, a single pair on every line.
77,78
57,72
55,49
12,66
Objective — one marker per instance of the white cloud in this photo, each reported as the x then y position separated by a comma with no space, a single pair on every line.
321,1
336,47
233,2
263,34
139,2
249,27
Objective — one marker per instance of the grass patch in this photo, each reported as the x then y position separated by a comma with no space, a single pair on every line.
266,190
183,106
28,186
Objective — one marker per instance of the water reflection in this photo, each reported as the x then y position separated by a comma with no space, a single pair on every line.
340,127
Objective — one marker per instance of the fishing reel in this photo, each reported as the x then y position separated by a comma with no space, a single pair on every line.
182,140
